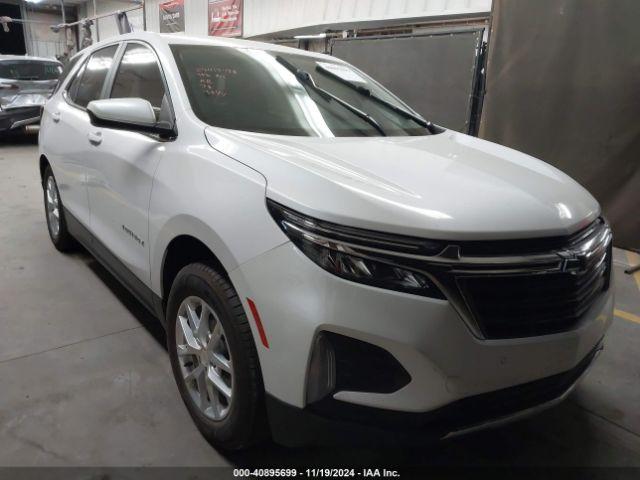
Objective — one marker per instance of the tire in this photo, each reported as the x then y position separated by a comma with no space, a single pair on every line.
54,213
228,424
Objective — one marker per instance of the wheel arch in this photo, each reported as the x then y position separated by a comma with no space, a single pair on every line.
185,239
44,163
180,252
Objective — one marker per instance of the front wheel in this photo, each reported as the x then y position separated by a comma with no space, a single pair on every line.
214,358
56,222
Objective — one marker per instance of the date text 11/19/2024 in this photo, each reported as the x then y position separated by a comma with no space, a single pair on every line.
316,473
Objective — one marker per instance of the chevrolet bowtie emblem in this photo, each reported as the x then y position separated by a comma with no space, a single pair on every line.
572,261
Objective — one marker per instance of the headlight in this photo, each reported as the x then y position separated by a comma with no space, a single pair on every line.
358,255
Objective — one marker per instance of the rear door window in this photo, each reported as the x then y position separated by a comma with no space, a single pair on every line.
88,84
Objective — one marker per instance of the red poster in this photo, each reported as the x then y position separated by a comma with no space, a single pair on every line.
225,18
172,16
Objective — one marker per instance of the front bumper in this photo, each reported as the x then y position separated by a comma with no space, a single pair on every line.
18,117
447,363
331,421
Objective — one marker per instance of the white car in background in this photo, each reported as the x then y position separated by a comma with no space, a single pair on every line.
323,259
26,83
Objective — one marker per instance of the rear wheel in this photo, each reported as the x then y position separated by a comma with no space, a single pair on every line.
214,359
56,222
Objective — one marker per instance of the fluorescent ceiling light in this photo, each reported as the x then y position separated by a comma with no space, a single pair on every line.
304,37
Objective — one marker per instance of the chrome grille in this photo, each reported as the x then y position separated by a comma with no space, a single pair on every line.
532,305
534,294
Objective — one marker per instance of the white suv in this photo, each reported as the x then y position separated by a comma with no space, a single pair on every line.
323,259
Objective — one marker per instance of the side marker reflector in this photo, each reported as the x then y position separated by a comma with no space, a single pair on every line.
256,317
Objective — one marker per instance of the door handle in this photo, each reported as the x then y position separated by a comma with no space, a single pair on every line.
95,138
55,116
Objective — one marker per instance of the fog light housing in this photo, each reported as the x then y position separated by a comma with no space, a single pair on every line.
341,363
321,376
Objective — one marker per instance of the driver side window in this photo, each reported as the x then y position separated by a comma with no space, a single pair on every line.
139,76
88,83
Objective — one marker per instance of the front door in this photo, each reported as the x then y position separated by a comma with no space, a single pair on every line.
123,163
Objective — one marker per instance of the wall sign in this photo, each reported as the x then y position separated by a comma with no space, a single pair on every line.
225,18
172,16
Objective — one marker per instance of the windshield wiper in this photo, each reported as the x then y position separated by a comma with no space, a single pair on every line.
364,91
306,79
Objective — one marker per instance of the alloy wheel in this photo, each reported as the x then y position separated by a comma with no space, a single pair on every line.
204,357
53,207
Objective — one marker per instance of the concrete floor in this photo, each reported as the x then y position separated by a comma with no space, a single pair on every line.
85,379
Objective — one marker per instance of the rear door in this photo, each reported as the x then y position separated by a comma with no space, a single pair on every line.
122,164
66,129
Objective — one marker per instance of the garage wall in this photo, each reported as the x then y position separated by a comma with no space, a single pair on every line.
563,85
267,16
435,73
44,42
39,39
108,26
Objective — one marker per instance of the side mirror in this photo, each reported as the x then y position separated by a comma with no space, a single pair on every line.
134,114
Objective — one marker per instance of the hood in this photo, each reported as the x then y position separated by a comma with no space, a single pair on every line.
448,186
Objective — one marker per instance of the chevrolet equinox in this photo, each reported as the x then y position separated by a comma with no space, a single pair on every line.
323,259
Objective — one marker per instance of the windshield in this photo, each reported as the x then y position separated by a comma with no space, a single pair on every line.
260,91
29,70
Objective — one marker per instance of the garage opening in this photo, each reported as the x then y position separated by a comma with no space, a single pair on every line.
11,34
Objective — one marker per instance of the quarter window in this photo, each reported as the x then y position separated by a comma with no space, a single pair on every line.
88,84
139,77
